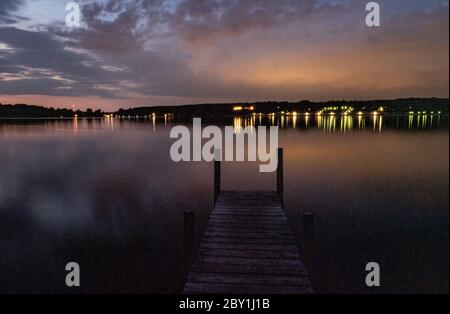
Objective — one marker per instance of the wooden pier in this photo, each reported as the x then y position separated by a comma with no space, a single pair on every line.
248,246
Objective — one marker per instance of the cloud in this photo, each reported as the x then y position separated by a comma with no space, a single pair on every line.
42,64
202,20
230,50
8,9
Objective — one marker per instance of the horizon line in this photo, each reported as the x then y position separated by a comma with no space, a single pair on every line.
241,102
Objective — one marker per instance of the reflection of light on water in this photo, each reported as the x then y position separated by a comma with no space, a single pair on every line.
294,121
75,125
240,122
237,125
360,121
424,121
346,123
319,121
333,123
377,122
109,121
329,123
154,122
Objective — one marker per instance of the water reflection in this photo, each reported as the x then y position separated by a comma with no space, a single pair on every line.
75,126
240,123
307,121
324,122
343,123
424,121
346,123
327,123
112,199
108,121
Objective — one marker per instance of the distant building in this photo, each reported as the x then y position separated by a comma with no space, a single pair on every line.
239,109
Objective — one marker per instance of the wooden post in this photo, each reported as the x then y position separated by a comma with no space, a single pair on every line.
189,234
308,225
280,180
217,174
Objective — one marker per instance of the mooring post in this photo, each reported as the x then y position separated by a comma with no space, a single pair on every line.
280,180
189,233
217,174
308,225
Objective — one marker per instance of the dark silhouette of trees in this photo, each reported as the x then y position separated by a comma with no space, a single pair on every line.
212,110
218,110
31,111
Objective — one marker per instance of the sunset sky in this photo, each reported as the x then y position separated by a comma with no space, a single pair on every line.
163,52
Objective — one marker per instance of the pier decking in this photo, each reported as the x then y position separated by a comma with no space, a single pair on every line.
248,248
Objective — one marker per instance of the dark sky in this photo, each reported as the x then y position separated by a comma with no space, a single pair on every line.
160,52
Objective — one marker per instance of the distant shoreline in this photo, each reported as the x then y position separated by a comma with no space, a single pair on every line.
395,106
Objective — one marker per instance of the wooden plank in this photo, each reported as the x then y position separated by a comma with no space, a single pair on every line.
254,214
245,212
214,288
248,203
254,235
250,279
247,219
249,240
247,193
247,228
272,262
247,199
250,208
234,199
253,196
246,269
248,246
263,218
247,232
248,224
286,254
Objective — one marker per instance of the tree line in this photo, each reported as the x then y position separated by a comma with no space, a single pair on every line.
31,111
201,110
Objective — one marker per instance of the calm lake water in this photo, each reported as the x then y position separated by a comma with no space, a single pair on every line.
105,193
